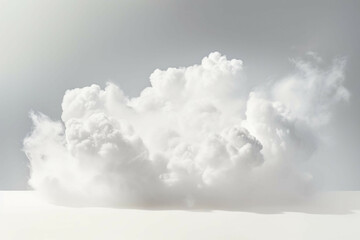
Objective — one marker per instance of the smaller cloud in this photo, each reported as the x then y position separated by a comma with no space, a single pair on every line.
315,56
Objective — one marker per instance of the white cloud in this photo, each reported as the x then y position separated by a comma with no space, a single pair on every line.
199,136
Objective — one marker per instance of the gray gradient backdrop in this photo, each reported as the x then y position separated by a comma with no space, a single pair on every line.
47,47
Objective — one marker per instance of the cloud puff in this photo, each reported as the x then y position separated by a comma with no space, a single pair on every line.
199,136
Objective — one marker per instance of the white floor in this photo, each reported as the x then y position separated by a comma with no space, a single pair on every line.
332,215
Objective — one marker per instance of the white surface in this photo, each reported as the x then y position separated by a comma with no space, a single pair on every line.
333,215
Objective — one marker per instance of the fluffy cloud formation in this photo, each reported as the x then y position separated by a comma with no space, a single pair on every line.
199,136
